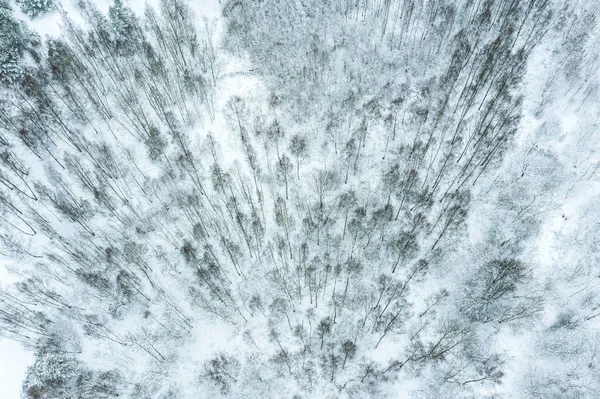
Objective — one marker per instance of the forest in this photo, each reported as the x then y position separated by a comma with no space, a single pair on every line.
302,199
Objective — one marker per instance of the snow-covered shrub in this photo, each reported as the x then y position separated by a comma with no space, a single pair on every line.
13,42
35,8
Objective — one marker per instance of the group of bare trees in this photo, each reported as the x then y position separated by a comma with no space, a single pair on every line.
320,221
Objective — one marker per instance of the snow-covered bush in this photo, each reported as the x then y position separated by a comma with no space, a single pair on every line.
35,8
13,42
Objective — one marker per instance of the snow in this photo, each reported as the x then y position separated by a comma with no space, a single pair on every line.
14,360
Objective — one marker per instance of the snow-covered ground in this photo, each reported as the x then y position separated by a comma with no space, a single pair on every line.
14,360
